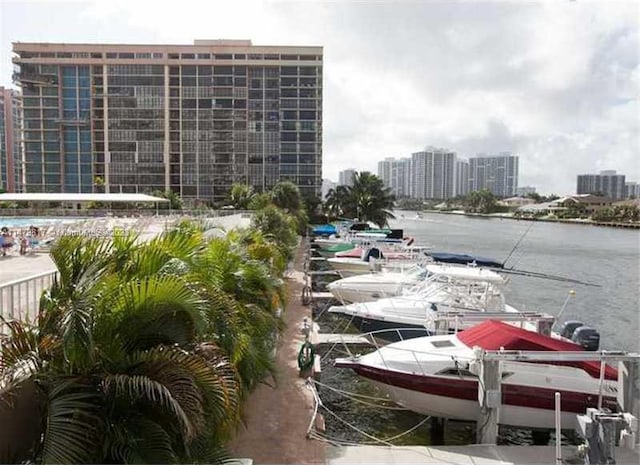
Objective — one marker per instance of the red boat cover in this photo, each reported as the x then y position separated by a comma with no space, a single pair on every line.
494,335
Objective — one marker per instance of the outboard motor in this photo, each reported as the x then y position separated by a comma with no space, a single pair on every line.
587,337
373,252
569,327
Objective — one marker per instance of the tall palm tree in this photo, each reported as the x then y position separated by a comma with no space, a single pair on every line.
367,199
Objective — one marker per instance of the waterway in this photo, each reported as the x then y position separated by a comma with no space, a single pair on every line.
606,257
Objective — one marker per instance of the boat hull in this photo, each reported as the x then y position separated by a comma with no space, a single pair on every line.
390,330
452,398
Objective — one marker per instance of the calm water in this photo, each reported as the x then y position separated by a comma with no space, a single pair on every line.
606,256
609,257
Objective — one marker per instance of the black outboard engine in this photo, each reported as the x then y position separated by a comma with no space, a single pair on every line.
587,337
373,253
569,327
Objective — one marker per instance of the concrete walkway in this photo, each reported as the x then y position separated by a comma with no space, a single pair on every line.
276,418
463,455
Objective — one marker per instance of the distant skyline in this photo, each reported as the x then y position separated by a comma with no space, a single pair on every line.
555,83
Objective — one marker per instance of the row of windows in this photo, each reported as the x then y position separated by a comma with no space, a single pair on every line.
159,55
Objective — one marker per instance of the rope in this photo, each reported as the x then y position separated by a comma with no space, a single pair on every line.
377,440
354,396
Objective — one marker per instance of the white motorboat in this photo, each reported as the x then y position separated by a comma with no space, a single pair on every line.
449,289
436,375
369,287
372,286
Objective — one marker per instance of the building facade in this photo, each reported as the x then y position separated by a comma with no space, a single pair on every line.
345,177
607,183
193,119
632,190
327,185
433,174
396,175
10,141
498,174
462,177
525,190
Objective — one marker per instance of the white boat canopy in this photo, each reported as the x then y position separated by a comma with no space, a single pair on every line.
465,273
79,198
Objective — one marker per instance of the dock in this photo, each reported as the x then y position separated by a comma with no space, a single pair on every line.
329,338
464,455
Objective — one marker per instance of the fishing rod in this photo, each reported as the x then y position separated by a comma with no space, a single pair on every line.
504,262
535,274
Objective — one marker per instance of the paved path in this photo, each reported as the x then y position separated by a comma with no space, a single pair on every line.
14,267
276,418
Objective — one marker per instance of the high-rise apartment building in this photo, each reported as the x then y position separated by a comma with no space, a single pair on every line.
498,174
433,174
632,190
462,177
396,175
345,177
10,146
190,118
327,185
607,183
525,190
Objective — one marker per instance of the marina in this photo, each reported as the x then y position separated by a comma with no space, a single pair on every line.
343,430
456,235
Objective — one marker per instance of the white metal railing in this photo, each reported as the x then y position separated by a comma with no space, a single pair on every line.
20,299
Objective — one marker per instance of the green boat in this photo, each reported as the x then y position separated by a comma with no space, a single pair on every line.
329,251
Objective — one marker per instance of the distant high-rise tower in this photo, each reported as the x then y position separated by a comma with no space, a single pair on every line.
345,178
433,173
498,174
462,177
190,118
10,146
632,190
607,183
327,185
396,174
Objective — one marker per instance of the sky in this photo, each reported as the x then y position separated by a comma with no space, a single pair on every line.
555,83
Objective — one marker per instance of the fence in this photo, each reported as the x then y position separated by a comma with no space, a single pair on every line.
20,299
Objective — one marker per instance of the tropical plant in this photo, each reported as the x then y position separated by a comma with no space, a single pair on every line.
367,200
286,195
141,351
175,201
278,227
481,201
241,196
260,201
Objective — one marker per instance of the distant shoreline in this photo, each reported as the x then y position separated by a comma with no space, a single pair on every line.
546,220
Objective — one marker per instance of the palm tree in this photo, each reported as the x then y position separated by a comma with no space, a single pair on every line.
368,200
286,195
119,356
336,203
241,196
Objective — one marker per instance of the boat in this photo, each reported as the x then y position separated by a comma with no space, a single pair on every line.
373,286
437,375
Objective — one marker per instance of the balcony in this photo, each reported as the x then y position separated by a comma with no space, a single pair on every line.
72,121
34,79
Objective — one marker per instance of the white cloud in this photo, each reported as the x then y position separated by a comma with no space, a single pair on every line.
555,83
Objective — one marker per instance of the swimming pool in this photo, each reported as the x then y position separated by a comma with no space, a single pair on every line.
25,222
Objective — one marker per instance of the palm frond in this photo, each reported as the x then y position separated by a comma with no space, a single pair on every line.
72,423
142,388
155,310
